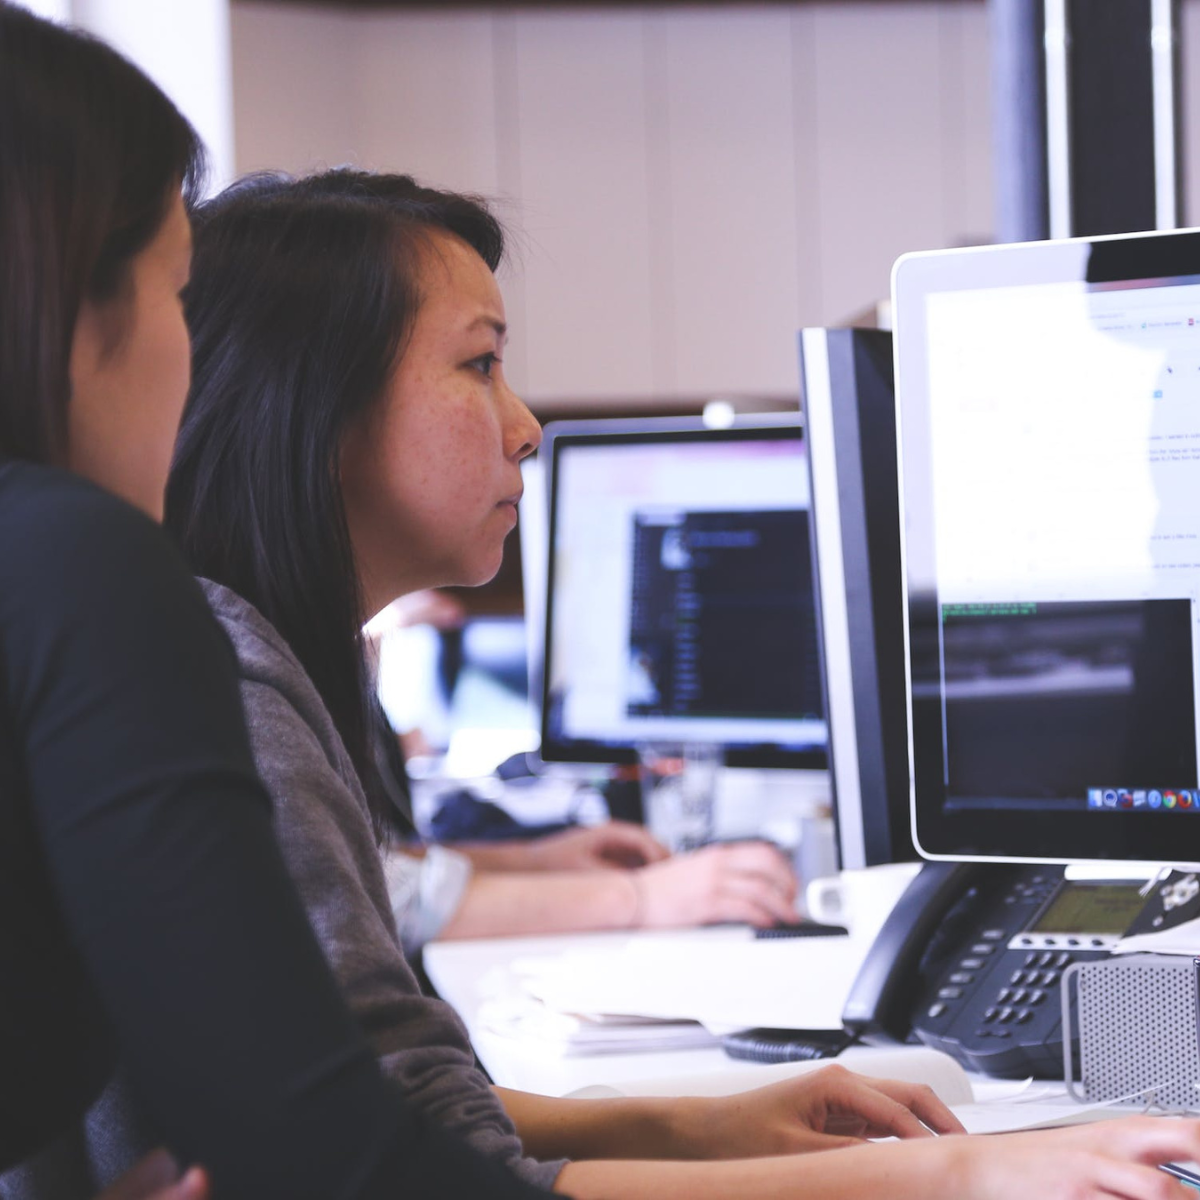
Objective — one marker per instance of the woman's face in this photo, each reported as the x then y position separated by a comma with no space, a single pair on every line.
430,475
130,368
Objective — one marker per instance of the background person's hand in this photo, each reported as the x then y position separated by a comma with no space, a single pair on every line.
156,1177
737,881
587,848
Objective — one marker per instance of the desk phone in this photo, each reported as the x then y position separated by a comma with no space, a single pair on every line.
971,959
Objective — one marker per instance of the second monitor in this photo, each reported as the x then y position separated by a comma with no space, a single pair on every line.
680,593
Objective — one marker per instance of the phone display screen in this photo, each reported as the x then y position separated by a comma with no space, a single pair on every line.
1100,908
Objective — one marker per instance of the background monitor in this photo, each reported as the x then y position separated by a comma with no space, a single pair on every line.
1049,397
849,407
680,592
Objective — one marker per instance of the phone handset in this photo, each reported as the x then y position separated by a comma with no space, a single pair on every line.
906,950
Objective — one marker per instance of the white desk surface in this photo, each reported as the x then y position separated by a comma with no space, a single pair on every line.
465,973
459,972
460,969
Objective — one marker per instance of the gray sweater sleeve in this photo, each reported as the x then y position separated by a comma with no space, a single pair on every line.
328,845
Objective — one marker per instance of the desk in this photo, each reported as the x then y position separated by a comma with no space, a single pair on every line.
465,973
459,971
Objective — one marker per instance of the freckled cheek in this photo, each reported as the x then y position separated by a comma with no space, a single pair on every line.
465,462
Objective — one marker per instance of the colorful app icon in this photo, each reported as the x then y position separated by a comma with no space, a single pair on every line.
1124,798
1095,798
1169,799
1154,798
1110,797
1185,799
1139,798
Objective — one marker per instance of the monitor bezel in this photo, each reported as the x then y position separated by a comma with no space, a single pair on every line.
847,396
972,834
561,435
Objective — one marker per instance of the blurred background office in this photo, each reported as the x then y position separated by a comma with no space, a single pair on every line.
686,184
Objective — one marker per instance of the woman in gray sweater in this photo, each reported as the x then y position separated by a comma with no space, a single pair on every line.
349,438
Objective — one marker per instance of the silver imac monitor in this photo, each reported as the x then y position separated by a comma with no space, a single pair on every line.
679,592
1049,412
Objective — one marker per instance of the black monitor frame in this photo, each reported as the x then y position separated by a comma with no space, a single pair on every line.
848,400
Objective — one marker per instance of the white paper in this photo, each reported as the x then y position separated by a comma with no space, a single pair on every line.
1181,939
788,983
574,1034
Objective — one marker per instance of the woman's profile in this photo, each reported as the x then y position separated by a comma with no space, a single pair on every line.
145,913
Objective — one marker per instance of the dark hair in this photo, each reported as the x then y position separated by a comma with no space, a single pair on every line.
302,298
90,150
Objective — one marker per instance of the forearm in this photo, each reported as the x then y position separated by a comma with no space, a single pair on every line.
497,856
515,903
638,1128
899,1170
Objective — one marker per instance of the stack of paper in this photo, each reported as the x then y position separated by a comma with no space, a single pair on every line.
723,983
588,1033
668,991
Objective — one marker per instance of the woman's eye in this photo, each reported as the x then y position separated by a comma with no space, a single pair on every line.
484,364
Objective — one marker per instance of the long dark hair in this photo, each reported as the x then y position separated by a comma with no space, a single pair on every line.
303,295
90,151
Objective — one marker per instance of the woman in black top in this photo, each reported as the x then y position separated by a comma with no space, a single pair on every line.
144,910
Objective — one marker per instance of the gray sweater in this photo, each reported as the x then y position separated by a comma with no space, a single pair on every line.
324,829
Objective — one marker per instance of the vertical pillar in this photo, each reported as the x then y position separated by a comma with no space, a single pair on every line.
1016,29
1086,116
184,46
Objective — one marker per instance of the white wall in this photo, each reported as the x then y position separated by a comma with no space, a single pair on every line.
688,186
182,45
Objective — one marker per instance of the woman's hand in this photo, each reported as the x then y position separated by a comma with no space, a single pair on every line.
827,1109
738,881
1110,1160
1100,1161
156,1177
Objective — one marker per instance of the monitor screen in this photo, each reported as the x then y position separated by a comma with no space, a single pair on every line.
680,593
1049,404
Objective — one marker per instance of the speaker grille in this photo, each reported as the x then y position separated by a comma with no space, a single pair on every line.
1138,1029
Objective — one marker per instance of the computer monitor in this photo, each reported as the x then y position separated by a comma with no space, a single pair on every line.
680,593
1049,405
849,407
535,545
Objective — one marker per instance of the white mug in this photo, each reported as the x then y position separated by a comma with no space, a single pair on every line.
860,900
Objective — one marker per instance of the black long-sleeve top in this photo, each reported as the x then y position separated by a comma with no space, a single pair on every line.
145,910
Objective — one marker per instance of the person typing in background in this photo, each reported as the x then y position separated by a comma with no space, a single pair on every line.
614,875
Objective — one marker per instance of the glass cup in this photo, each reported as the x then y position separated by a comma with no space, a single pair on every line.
679,787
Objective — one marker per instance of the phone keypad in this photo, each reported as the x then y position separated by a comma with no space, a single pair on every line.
993,1001
1025,988
1016,1004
